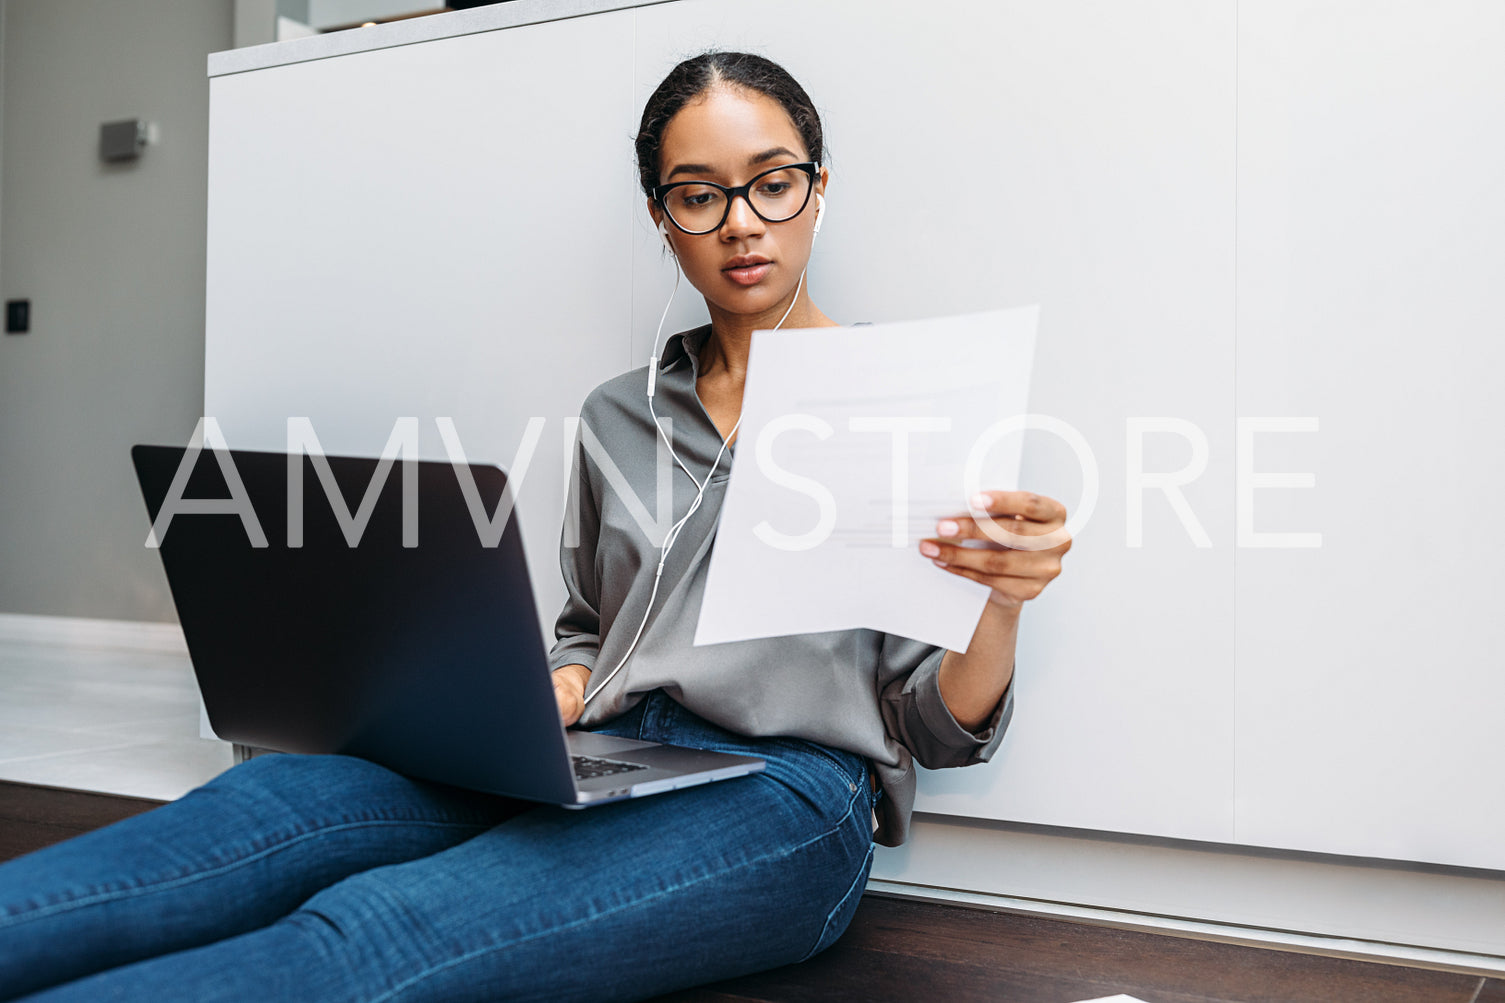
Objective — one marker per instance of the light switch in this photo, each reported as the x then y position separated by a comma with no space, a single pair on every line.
17,316
122,140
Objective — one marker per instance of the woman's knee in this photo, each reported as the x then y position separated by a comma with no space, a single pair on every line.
301,787
278,775
286,775
329,786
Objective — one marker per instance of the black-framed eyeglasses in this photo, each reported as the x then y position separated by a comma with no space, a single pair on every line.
776,195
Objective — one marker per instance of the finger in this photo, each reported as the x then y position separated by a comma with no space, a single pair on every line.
1014,588
1011,535
1035,508
1004,563
1022,560
965,527
987,562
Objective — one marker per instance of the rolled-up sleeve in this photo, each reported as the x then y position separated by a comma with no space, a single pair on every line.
578,628
916,716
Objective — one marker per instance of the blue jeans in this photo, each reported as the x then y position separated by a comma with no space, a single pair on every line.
324,877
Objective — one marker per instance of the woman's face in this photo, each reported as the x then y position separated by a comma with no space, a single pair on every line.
729,135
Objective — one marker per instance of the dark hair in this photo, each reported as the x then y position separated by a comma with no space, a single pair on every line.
693,77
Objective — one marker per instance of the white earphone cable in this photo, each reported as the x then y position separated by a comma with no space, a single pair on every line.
673,533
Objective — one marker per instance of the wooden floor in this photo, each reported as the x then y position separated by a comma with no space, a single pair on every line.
899,950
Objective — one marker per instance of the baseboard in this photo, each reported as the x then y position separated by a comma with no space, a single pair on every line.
1285,940
82,632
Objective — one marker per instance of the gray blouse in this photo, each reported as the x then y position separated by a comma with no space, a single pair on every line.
871,693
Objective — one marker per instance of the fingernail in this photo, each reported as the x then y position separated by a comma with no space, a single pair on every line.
929,549
981,500
946,527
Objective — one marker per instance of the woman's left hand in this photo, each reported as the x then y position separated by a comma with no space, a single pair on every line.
1022,537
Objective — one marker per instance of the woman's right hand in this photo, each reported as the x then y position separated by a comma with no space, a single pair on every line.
569,690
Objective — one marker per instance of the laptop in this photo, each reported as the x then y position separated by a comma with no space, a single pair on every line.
426,658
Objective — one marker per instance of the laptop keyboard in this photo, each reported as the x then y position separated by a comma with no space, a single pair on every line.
589,767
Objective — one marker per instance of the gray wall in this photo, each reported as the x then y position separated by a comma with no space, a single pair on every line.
112,259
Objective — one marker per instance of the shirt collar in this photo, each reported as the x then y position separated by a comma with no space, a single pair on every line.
684,345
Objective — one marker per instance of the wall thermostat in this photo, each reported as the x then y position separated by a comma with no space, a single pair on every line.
123,140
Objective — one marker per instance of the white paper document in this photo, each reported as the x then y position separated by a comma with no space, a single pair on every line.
853,442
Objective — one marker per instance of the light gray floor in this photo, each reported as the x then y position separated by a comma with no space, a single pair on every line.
99,719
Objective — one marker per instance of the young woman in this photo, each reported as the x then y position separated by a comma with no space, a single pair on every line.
327,878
